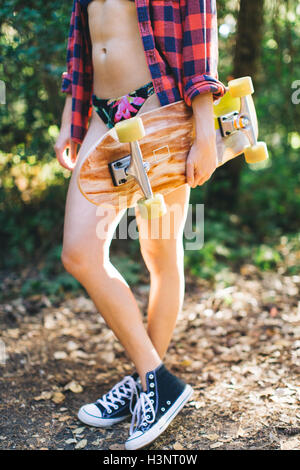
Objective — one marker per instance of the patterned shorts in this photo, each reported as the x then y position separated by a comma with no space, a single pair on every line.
112,111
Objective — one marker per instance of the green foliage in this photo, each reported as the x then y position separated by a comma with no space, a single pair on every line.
266,258
226,245
33,49
230,245
33,40
128,267
50,287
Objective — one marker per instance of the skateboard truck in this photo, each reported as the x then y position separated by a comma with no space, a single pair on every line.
232,122
122,169
133,165
239,121
233,113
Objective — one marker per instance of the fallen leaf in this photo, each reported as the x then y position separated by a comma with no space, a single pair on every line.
186,363
240,432
291,444
178,446
13,333
197,404
98,442
71,346
81,444
215,445
78,430
62,419
108,357
211,437
74,387
70,441
116,447
58,397
43,396
77,353
60,355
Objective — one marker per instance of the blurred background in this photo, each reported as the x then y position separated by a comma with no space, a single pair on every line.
251,212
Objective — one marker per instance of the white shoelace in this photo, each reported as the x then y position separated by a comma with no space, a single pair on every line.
127,388
143,413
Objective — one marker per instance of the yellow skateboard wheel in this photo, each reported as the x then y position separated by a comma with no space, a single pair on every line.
152,208
130,130
241,87
226,105
256,153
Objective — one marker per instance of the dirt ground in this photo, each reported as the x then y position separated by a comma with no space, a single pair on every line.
237,344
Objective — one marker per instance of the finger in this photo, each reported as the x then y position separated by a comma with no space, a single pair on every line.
198,177
190,174
67,159
65,162
62,157
201,179
73,151
209,176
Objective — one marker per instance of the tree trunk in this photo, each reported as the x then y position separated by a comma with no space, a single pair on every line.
224,185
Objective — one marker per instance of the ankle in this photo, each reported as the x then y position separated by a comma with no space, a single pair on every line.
145,370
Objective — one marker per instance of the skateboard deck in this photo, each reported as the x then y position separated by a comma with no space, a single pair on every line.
169,134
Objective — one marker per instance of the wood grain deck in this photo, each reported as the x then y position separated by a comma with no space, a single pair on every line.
169,135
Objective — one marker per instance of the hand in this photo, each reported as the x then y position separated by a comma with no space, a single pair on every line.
201,161
202,158
63,144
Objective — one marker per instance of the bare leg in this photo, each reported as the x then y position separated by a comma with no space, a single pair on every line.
163,256
86,257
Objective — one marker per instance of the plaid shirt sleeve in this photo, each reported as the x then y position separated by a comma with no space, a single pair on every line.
78,79
200,49
67,76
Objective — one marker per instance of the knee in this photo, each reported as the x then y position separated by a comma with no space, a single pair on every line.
163,256
79,260
73,261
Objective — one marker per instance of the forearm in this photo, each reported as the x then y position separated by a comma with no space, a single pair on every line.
204,117
202,158
67,111
64,139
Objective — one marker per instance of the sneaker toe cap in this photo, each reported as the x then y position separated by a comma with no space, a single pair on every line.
134,436
89,413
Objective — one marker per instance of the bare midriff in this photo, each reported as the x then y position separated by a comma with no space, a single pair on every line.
119,60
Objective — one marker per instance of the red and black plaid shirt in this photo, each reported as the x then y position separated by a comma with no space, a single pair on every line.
181,46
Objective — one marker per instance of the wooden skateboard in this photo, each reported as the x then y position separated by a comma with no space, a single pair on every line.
144,157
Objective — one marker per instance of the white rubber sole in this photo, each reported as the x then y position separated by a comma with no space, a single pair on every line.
91,420
150,436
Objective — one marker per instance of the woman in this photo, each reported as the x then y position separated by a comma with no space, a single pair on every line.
124,58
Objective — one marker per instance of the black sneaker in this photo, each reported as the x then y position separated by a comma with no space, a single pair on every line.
114,406
157,407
